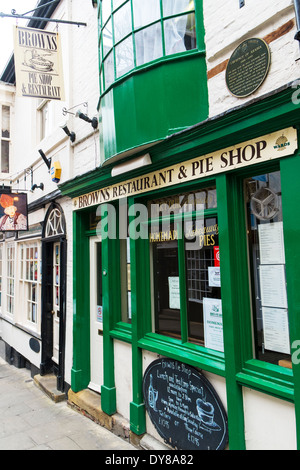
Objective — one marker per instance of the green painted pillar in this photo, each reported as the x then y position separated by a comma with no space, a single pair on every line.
228,197
290,171
80,373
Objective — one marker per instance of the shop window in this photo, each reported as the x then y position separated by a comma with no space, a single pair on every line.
185,268
30,280
5,139
137,32
10,269
1,272
267,268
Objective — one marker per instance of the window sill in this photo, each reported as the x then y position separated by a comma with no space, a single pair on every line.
272,379
26,329
206,359
122,331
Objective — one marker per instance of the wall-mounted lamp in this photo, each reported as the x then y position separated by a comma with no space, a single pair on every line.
93,121
72,135
35,186
46,160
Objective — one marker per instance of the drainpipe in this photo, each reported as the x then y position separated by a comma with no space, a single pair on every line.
297,15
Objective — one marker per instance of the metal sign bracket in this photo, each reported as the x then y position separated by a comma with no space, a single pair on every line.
50,20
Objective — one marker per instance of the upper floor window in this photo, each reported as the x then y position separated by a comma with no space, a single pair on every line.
137,32
44,118
5,138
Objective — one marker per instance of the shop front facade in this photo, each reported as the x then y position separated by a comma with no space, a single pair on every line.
197,261
185,238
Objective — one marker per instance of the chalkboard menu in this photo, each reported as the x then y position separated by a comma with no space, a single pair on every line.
248,67
184,407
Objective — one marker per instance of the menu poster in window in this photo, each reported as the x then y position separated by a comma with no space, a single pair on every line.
276,330
174,293
271,243
273,285
214,278
213,324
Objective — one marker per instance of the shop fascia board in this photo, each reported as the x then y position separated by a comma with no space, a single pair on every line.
259,117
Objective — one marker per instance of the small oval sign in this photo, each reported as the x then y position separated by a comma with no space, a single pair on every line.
34,345
248,67
184,407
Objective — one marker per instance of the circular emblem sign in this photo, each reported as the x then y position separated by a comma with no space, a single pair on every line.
184,407
248,67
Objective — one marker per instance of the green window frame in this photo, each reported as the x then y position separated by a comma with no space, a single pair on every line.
241,364
132,41
143,333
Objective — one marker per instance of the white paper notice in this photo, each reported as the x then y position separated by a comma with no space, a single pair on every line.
273,286
271,244
276,330
214,279
213,324
174,292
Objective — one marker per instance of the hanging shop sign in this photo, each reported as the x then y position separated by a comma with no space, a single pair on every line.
38,64
269,147
248,67
13,212
184,407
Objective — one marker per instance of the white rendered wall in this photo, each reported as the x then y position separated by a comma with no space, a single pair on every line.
269,422
123,377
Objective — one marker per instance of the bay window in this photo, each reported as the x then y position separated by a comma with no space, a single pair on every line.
137,32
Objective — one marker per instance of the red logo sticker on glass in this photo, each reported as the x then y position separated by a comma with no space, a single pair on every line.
217,255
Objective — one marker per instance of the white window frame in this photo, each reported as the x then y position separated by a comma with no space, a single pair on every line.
4,138
30,284
10,278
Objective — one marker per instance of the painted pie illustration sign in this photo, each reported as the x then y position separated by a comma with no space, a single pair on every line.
38,64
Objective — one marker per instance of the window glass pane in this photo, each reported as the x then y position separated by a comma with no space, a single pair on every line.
173,7
145,12
124,57
267,265
125,279
5,121
99,274
4,156
107,38
108,66
148,44
194,201
106,10
122,22
166,286
204,309
117,3
180,34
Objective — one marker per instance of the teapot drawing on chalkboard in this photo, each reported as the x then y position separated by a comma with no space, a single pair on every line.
152,395
206,414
